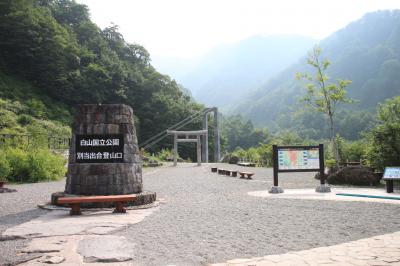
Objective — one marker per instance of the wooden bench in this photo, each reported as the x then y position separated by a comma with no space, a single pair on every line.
221,171
74,202
246,175
214,169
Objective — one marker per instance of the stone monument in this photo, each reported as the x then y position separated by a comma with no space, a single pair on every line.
104,157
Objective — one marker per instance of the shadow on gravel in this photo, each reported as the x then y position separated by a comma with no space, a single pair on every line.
10,247
14,219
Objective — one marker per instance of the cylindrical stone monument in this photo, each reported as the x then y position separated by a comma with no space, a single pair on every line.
104,157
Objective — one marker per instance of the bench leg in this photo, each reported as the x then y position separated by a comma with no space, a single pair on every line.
234,174
119,207
241,176
75,209
389,186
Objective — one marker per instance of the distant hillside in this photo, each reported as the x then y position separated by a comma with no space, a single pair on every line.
52,57
228,72
367,52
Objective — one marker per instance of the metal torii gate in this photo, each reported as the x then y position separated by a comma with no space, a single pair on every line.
216,135
187,138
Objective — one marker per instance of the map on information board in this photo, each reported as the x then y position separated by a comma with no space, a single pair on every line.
297,159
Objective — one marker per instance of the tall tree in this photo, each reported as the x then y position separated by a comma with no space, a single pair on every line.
384,138
324,96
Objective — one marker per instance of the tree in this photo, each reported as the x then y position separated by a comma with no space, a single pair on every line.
324,96
384,139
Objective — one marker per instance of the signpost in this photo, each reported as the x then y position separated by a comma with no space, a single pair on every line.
391,174
298,159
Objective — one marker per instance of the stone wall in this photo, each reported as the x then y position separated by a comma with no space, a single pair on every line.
105,178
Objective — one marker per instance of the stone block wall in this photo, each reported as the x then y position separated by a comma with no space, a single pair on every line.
105,178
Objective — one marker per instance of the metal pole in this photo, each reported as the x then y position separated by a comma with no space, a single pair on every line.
217,151
198,150
175,149
204,144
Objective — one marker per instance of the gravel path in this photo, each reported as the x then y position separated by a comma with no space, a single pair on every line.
20,207
208,218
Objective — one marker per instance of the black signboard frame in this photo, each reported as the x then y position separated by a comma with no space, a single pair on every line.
99,148
321,169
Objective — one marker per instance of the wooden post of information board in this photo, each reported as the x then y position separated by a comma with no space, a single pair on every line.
276,188
323,187
321,164
275,160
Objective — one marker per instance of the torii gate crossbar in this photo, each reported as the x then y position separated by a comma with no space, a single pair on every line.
187,134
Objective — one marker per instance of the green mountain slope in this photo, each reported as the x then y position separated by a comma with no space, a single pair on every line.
367,52
52,50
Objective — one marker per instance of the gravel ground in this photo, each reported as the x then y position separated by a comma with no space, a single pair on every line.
20,207
208,218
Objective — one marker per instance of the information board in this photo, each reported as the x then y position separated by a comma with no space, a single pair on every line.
392,173
99,148
298,158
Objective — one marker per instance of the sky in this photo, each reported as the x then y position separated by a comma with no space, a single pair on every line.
189,28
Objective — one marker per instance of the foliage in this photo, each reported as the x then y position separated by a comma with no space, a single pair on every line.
165,155
18,160
5,168
52,55
366,51
352,151
32,165
240,133
44,165
321,96
384,139
358,176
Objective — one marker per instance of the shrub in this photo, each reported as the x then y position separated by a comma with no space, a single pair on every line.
18,160
353,175
5,168
44,165
165,155
34,165
384,144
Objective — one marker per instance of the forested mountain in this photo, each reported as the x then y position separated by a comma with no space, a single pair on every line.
229,71
367,52
53,56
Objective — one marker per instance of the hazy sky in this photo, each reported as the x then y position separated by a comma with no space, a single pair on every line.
188,28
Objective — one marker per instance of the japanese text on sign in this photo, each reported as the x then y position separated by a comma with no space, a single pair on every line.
99,148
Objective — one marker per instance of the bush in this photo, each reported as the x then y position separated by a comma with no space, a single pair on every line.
18,160
384,145
233,159
34,165
353,175
5,168
44,165
165,155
